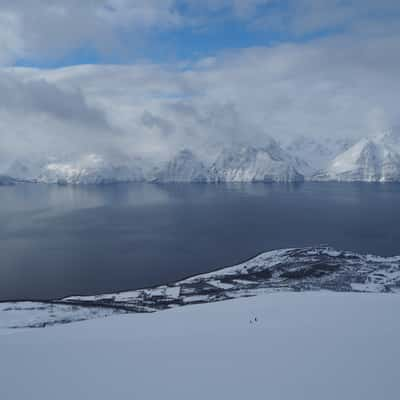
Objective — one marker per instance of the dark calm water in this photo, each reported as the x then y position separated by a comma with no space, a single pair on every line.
62,240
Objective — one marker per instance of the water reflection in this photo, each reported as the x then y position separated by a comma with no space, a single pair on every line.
60,240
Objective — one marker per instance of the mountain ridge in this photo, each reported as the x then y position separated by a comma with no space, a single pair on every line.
370,159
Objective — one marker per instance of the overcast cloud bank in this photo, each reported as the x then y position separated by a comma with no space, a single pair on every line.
343,85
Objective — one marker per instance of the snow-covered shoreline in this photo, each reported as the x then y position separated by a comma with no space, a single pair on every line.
286,270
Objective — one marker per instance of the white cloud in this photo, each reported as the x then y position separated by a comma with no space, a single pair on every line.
49,29
304,17
11,43
346,85
44,28
332,87
239,8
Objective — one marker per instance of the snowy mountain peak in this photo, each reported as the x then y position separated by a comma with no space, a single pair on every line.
317,153
184,167
250,164
375,159
85,169
389,137
371,159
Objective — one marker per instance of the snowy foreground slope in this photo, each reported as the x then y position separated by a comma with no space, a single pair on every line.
307,269
282,346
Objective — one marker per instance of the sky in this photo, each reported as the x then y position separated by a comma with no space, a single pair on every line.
148,78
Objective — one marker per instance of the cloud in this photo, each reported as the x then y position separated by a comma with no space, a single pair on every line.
51,29
45,28
237,8
151,121
330,85
38,116
333,87
307,17
39,96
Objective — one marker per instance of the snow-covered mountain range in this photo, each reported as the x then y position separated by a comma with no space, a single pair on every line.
251,164
317,153
86,169
373,159
270,163
184,167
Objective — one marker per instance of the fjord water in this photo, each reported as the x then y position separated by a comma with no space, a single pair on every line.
61,240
